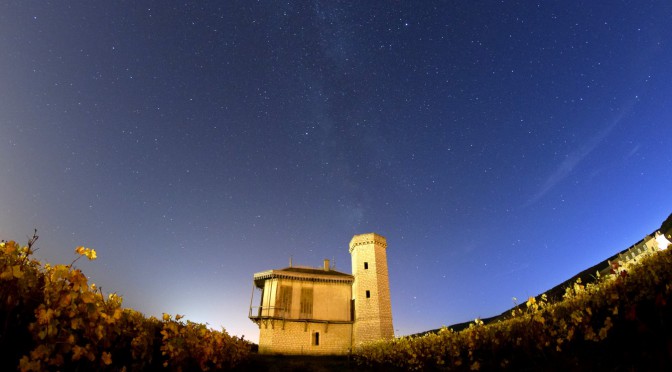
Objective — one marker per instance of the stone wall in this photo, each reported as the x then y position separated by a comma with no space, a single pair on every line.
371,289
298,338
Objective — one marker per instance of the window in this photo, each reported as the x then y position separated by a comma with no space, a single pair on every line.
368,294
284,301
306,303
366,265
316,338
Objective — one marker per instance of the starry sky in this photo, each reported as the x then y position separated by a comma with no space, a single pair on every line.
499,146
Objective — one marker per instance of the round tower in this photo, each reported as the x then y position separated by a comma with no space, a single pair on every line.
371,289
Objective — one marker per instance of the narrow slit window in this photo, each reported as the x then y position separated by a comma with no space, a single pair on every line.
366,265
316,339
368,294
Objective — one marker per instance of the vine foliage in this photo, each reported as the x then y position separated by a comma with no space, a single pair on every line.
54,319
621,322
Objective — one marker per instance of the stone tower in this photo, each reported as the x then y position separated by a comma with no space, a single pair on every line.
371,289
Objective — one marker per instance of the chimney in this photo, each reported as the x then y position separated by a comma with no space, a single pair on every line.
326,264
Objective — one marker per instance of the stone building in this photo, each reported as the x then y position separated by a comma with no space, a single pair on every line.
313,311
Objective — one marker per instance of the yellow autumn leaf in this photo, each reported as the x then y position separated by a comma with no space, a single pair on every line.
88,252
91,254
88,297
59,272
7,274
531,301
9,247
100,332
25,364
16,271
114,298
117,314
44,316
106,358
40,352
78,280
65,300
76,323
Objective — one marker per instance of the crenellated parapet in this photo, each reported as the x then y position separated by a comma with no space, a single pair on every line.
367,239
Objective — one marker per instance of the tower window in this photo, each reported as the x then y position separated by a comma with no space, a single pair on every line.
368,294
316,338
366,265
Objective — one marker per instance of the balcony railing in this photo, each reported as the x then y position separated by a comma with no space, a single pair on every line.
264,312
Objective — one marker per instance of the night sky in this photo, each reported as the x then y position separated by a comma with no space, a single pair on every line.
500,147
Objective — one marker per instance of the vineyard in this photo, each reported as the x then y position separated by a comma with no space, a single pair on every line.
53,319
623,321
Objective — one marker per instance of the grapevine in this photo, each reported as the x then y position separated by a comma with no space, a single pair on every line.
54,319
623,321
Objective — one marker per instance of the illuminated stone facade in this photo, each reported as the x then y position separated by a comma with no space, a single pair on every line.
313,311
371,289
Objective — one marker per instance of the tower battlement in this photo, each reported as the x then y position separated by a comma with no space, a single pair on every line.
370,238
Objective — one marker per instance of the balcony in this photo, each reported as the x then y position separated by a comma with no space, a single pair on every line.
258,313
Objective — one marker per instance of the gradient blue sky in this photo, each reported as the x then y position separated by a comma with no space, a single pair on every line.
501,147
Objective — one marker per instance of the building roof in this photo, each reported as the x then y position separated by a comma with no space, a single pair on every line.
313,270
303,273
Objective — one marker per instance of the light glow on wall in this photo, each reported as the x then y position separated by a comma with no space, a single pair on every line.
663,243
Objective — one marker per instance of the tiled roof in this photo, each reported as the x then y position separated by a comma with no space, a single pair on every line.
309,270
304,273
